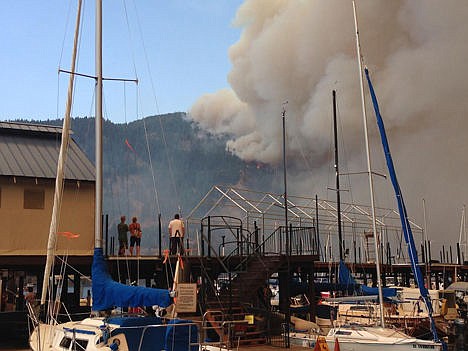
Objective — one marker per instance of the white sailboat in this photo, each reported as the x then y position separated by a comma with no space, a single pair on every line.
360,338
370,338
105,331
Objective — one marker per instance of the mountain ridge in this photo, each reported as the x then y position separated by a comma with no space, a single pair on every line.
164,160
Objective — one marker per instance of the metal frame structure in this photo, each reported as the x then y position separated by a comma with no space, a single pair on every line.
265,210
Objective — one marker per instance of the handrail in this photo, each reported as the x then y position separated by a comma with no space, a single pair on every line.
243,247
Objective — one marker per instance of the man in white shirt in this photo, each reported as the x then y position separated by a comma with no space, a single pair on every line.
176,233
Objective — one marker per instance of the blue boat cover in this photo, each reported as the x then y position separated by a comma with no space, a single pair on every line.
345,278
108,293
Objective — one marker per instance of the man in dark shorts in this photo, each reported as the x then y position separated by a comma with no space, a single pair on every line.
122,229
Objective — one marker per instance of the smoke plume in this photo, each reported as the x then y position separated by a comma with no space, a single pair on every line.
299,51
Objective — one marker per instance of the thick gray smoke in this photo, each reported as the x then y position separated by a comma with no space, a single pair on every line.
299,51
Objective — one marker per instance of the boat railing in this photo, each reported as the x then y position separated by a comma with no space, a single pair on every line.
56,312
189,333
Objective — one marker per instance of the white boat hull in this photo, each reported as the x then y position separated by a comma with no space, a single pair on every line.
48,337
366,339
354,345
376,338
42,337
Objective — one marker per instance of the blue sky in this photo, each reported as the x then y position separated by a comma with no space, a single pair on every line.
179,49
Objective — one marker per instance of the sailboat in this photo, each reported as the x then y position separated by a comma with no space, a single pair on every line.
105,331
355,337
370,338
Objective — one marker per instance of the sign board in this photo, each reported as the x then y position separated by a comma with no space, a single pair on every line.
186,297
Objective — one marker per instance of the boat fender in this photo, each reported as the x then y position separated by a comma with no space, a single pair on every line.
115,345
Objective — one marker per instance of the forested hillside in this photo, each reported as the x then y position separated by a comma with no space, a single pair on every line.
186,163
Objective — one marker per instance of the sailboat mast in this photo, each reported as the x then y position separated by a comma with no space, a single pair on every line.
369,171
98,127
464,233
58,195
462,239
337,178
428,275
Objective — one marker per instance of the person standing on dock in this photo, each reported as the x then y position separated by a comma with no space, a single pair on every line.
135,236
176,235
122,229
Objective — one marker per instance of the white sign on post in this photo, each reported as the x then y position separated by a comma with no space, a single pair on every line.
186,297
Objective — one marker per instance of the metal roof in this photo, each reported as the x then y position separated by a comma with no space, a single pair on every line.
32,150
458,286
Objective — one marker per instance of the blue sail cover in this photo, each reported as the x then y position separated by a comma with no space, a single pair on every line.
408,234
346,278
108,293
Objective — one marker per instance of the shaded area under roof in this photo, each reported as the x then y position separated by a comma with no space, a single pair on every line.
32,150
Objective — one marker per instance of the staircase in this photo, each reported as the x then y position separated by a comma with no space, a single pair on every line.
230,312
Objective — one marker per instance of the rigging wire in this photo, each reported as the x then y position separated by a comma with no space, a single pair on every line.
169,277
67,22
64,261
153,91
62,277
137,99
153,177
137,114
81,274
119,200
156,200
130,37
